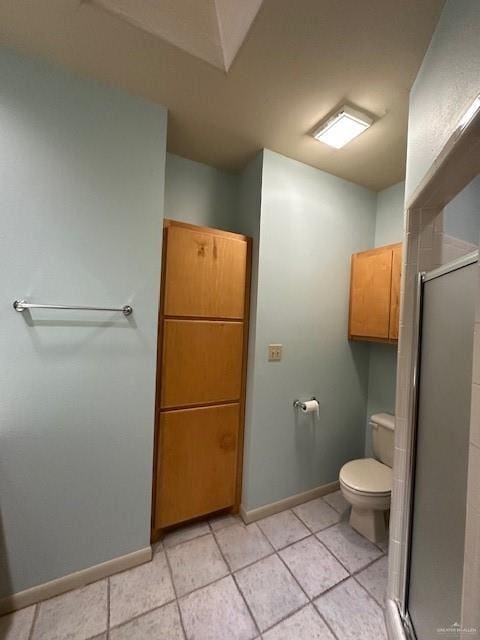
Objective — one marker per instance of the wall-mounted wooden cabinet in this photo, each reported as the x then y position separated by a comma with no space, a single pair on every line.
375,294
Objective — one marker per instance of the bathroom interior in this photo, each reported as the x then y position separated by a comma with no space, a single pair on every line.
241,362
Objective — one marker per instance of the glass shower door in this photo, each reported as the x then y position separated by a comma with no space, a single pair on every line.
440,476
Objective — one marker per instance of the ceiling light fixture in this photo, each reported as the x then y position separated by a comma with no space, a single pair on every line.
342,127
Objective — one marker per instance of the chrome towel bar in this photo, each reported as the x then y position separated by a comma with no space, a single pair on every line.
22,305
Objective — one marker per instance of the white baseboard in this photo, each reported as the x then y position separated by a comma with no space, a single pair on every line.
286,503
75,580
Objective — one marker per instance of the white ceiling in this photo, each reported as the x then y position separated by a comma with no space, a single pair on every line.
300,59
212,30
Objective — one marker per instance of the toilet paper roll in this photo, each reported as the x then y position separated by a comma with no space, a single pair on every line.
311,406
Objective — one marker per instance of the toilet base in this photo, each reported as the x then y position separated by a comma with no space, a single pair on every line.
369,523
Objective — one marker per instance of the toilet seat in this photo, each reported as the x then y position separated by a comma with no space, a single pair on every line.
367,476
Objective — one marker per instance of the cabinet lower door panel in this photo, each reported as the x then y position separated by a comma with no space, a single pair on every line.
198,462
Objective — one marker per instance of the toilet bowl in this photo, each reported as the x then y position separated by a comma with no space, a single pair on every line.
367,483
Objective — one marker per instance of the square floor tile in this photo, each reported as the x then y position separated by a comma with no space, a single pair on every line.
317,514
353,550
220,522
304,625
76,615
241,545
158,624
352,613
217,612
313,566
270,591
185,533
283,529
140,589
374,579
195,564
337,501
17,625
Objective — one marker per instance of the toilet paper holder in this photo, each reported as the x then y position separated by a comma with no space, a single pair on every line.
298,404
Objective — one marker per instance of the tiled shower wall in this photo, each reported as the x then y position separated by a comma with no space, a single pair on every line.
427,247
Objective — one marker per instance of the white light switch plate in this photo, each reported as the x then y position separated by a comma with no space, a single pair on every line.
274,352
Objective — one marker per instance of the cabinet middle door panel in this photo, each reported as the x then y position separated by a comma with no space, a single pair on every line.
205,275
202,362
370,303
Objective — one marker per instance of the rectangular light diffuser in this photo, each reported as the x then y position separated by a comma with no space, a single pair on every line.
343,127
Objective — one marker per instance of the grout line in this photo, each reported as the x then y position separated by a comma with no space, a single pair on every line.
286,617
235,581
169,567
367,566
311,600
138,615
179,544
290,544
34,620
259,631
370,595
298,518
336,557
177,603
315,531
108,608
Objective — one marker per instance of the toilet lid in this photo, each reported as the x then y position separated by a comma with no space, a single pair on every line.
367,476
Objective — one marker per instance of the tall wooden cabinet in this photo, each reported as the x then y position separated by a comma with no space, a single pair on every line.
201,372
375,294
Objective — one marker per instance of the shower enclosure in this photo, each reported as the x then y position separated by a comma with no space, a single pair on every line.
434,552
446,314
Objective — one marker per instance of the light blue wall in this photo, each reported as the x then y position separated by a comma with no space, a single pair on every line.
81,200
389,221
383,357
461,217
250,201
199,194
446,85
311,223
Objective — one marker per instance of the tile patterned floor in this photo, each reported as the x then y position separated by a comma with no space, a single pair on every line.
302,574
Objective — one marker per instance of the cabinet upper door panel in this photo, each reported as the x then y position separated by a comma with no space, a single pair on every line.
370,294
205,274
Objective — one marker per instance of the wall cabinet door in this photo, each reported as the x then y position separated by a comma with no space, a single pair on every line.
395,293
374,294
199,462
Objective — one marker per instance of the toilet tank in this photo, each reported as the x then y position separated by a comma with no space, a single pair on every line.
383,425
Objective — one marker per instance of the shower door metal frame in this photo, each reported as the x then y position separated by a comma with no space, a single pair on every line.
422,278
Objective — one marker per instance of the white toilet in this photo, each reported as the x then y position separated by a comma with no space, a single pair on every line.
367,483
